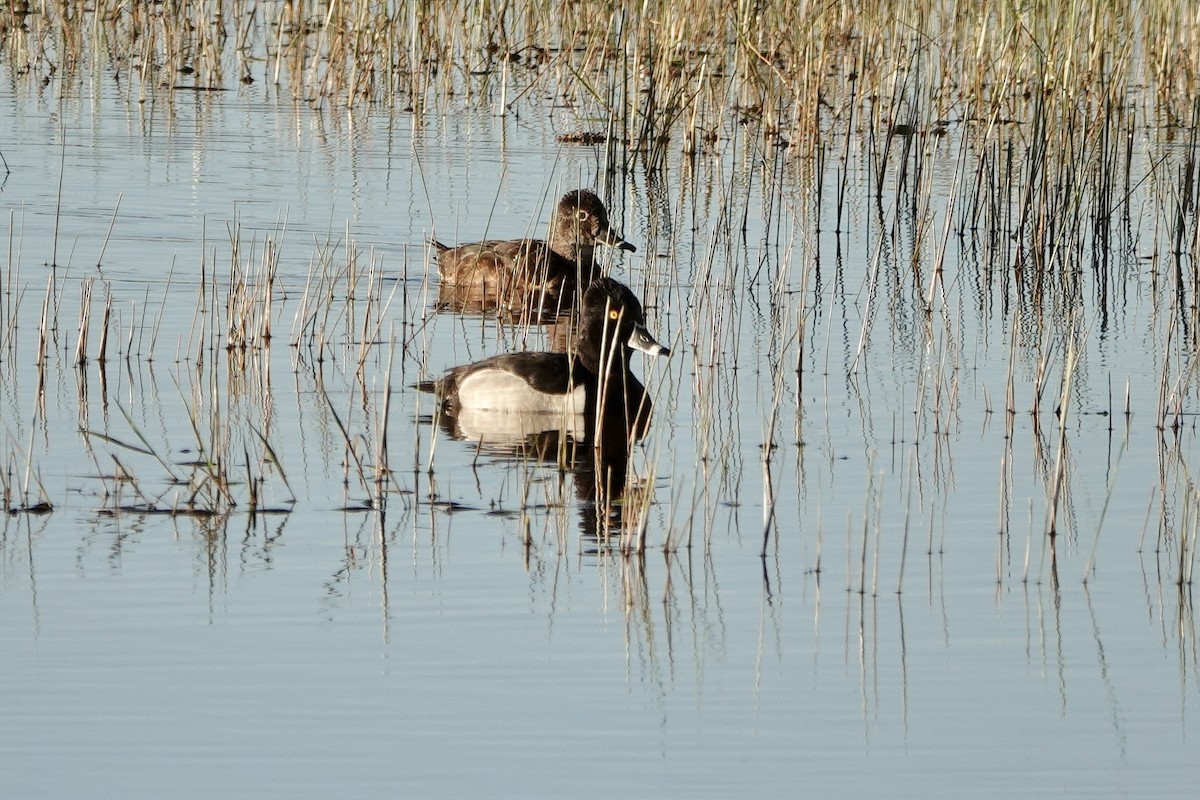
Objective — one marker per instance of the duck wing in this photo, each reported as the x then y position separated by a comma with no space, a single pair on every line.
496,260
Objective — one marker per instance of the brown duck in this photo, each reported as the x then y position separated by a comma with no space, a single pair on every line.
519,275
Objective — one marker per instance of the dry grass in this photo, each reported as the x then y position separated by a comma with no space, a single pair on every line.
646,78
1073,181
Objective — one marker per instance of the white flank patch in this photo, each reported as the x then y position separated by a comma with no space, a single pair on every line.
497,390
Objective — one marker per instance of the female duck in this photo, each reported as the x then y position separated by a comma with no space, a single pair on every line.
594,380
530,273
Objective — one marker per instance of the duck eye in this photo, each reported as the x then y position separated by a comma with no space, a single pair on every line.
613,314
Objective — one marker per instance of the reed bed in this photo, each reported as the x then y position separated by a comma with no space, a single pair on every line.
997,169
649,77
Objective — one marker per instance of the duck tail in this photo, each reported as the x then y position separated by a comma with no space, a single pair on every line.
441,248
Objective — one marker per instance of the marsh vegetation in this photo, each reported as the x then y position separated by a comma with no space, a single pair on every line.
1014,175
927,272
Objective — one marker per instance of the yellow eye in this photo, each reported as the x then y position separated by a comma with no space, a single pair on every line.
613,314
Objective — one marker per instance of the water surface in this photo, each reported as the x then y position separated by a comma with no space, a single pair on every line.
908,632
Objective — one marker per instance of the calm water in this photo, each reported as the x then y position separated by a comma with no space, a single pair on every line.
426,648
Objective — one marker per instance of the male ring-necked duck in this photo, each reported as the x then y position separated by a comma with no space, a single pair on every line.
529,273
594,380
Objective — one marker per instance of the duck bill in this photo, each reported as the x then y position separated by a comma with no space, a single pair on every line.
608,237
641,339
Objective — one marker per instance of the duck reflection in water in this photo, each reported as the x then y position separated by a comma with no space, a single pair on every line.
582,409
529,278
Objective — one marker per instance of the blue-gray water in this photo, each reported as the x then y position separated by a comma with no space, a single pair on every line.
908,632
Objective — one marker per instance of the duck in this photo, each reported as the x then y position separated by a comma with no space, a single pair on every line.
523,274
593,380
